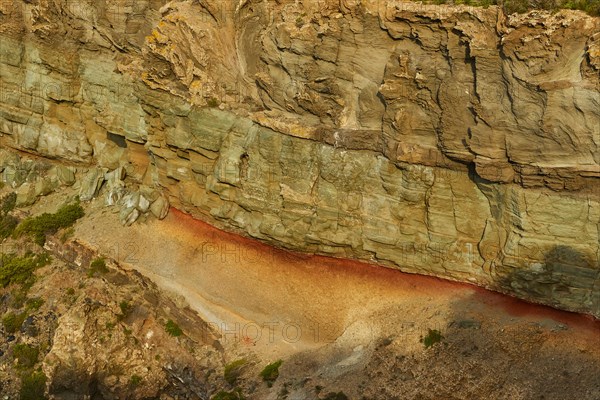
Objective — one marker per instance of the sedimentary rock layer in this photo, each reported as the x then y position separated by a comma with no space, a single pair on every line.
450,141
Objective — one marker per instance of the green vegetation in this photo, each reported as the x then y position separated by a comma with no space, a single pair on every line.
34,303
173,329
40,226
33,386
98,266
235,394
233,370
19,270
271,372
8,223
592,7
26,354
8,203
12,322
433,336
125,309
70,291
135,380
212,102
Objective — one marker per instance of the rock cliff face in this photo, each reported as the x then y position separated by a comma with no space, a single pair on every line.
450,141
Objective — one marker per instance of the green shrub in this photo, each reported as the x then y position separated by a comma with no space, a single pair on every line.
12,322
26,354
271,372
212,102
8,203
19,270
173,329
34,303
233,370
433,336
98,266
19,296
235,394
8,223
125,308
40,226
135,380
33,386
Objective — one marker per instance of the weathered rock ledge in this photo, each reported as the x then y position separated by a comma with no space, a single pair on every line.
448,141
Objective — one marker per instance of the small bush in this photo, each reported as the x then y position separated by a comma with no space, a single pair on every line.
47,224
19,270
98,266
33,386
233,370
27,355
271,372
34,303
235,394
212,102
125,308
8,203
8,223
135,380
433,336
173,329
12,322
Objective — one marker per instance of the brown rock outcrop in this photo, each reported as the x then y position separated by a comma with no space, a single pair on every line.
451,141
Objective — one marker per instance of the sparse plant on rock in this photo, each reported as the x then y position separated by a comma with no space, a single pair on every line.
233,370
98,266
173,329
46,224
271,372
26,355
33,386
12,322
19,270
433,336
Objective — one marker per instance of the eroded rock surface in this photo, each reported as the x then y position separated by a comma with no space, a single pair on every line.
451,141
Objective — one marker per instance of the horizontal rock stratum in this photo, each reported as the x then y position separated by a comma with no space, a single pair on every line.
450,141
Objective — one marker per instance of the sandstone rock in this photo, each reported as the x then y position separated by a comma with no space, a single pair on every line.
143,204
128,215
451,141
64,175
26,194
160,207
91,183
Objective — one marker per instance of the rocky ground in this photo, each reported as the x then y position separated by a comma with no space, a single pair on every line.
181,310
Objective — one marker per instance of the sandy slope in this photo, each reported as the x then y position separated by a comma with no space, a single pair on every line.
339,322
